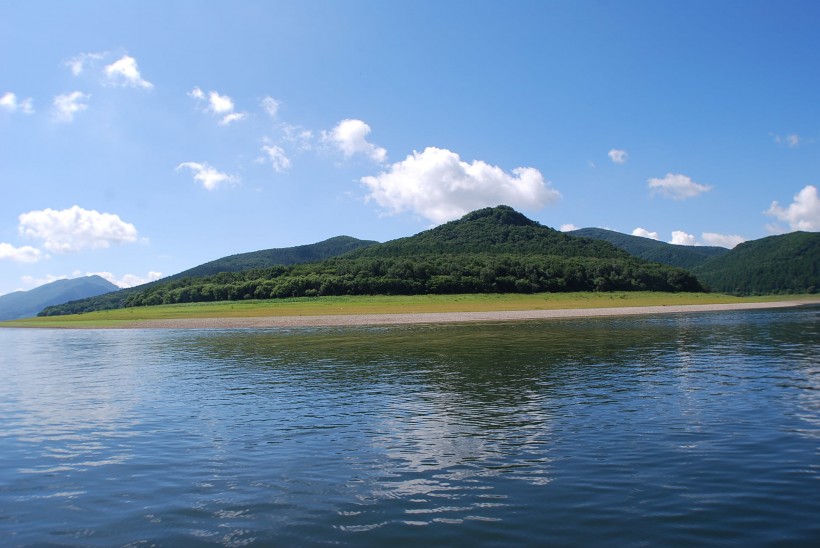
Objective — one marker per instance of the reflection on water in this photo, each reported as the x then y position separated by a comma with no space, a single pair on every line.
700,428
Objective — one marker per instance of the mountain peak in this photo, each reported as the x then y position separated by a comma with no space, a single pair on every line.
502,215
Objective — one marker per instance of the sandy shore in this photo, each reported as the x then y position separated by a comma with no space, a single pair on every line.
445,317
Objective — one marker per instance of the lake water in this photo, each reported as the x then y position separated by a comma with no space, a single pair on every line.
696,429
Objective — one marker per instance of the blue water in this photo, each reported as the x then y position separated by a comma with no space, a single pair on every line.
699,429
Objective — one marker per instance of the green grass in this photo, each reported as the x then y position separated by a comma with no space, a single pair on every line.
380,304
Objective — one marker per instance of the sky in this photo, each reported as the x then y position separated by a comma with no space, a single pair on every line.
142,138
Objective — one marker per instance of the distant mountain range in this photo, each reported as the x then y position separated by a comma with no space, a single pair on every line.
25,304
684,256
489,250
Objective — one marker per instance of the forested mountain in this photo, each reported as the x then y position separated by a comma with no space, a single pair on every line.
234,263
684,256
25,304
332,247
488,251
789,263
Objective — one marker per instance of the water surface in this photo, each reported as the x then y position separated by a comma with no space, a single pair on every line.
680,429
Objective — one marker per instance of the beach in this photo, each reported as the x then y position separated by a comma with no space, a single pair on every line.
346,320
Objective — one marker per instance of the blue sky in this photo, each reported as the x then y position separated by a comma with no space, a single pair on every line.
139,139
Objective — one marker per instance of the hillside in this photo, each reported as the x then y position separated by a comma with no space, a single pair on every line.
26,304
493,230
332,247
683,256
493,250
789,263
265,258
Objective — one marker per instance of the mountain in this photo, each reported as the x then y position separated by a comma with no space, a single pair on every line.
493,250
25,304
265,258
788,263
332,247
684,256
493,230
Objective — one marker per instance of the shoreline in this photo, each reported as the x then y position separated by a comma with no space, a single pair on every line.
354,320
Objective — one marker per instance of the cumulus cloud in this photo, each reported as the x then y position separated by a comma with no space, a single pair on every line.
124,72
677,186
350,137
437,185
643,233
803,213
680,237
722,240
618,156
569,227
67,105
75,229
208,176
221,106
10,103
128,280
24,254
276,157
271,106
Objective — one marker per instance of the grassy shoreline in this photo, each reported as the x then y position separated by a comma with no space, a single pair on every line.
380,304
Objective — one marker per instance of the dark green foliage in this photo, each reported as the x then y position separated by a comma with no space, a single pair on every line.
777,264
683,256
493,230
234,263
25,304
428,274
270,257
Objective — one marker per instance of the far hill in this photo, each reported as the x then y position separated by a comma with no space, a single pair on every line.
493,250
265,258
684,256
789,263
26,304
309,253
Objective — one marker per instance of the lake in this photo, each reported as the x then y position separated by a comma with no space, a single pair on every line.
689,429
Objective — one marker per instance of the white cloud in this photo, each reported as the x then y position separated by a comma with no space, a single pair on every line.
76,228
208,176
271,106
722,240
791,140
803,213
677,186
618,156
569,227
439,186
65,106
301,137
221,106
680,237
276,156
128,280
197,93
124,72
25,254
643,233
77,64
350,136
10,103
